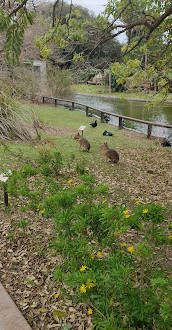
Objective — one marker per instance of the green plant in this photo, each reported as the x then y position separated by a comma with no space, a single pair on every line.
80,168
10,235
22,223
59,82
50,162
56,162
28,170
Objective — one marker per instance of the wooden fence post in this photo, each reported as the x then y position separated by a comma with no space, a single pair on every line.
149,131
73,105
120,123
43,100
55,102
5,195
110,77
86,111
102,117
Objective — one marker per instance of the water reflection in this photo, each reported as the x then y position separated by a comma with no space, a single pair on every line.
135,109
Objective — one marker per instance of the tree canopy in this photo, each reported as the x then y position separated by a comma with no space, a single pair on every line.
147,24
14,17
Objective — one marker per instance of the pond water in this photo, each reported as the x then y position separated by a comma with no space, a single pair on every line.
134,109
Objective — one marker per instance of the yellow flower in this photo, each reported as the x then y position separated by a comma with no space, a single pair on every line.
91,256
126,211
122,251
89,284
131,249
127,216
170,237
83,268
123,244
145,211
83,288
104,201
43,211
146,302
90,311
139,201
57,295
116,234
69,181
82,258
100,254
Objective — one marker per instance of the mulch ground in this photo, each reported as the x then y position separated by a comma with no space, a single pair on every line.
26,271
27,266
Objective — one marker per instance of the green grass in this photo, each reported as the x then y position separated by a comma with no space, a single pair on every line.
73,120
93,89
128,178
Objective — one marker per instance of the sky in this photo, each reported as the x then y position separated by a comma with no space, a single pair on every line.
96,6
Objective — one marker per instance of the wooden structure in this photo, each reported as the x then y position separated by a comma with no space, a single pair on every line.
103,113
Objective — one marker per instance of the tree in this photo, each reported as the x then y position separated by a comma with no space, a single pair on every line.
146,22
147,54
14,17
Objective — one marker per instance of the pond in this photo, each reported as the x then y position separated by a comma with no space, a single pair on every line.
135,109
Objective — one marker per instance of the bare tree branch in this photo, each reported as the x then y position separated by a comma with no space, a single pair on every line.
15,10
56,3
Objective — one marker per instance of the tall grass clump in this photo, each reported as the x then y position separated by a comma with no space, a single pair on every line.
12,123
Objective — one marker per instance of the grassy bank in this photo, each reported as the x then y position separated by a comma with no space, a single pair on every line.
93,89
86,243
138,155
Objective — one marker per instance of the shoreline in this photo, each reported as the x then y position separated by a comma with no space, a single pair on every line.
119,98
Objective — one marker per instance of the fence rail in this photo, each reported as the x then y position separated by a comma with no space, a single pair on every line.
102,113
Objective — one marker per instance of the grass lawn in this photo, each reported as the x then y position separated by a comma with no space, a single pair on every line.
85,244
130,176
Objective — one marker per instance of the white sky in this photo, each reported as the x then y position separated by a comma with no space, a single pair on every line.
97,6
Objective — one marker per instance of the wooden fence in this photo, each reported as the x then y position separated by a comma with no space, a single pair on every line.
103,113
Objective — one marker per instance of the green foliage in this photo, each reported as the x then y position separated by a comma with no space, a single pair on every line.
80,168
155,213
14,27
50,162
103,188
82,234
64,199
110,255
28,170
59,82
22,223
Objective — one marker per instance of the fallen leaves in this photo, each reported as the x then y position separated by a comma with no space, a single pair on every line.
29,278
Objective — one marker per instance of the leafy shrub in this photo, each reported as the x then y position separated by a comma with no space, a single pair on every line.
50,162
64,199
59,82
80,168
28,170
